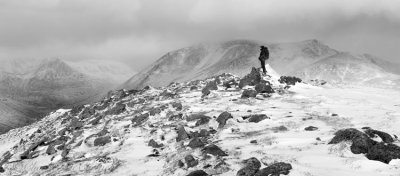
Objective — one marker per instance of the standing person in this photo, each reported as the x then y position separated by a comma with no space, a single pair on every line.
264,55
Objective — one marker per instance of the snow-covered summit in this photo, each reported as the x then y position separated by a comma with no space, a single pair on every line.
221,125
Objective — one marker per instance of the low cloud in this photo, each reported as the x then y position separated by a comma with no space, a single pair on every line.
138,32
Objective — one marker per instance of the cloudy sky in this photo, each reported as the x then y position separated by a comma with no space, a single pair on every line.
138,32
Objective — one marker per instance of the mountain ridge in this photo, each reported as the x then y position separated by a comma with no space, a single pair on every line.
208,59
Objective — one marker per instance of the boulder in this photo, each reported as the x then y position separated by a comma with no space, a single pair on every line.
194,117
191,161
203,120
249,93
362,143
155,111
222,118
211,85
197,173
251,79
257,118
263,88
87,113
289,80
275,169
177,106
76,109
154,144
214,150
230,84
311,128
251,167
101,141
205,92
117,109
196,143
182,134
138,120
384,136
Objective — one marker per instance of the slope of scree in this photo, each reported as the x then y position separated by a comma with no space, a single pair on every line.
223,125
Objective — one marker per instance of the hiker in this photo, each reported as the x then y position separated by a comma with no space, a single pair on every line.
264,55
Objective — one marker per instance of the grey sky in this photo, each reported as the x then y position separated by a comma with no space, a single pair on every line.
138,32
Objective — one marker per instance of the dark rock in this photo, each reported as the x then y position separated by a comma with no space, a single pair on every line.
203,120
44,167
155,111
253,142
194,117
311,128
182,134
76,109
191,161
168,94
87,113
193,88
177,106
30,151
75,124
275,169
100,141
154,144
383,152
222,118
96,120
205,91
255,118
249,93
252,165
214,150
138,120
212,85
251,79
387,138
175,117
279,129
362,143
264,88
2,169
51,150
196,143
117,109
289,80
204,133
230,84
181,164
103,132
197,173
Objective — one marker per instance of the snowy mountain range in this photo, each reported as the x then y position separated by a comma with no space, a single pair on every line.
310,59
30,89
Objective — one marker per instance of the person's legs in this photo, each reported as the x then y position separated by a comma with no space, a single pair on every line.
263,65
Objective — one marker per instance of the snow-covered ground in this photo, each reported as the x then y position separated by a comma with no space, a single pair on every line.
281,138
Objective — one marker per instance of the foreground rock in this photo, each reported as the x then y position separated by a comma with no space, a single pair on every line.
251,79
222,118
251,167
275,169
363,144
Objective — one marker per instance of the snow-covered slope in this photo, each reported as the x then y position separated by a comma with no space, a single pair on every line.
36,87
348,68
177,130
300,58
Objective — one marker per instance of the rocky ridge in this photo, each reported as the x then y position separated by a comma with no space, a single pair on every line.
191,128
